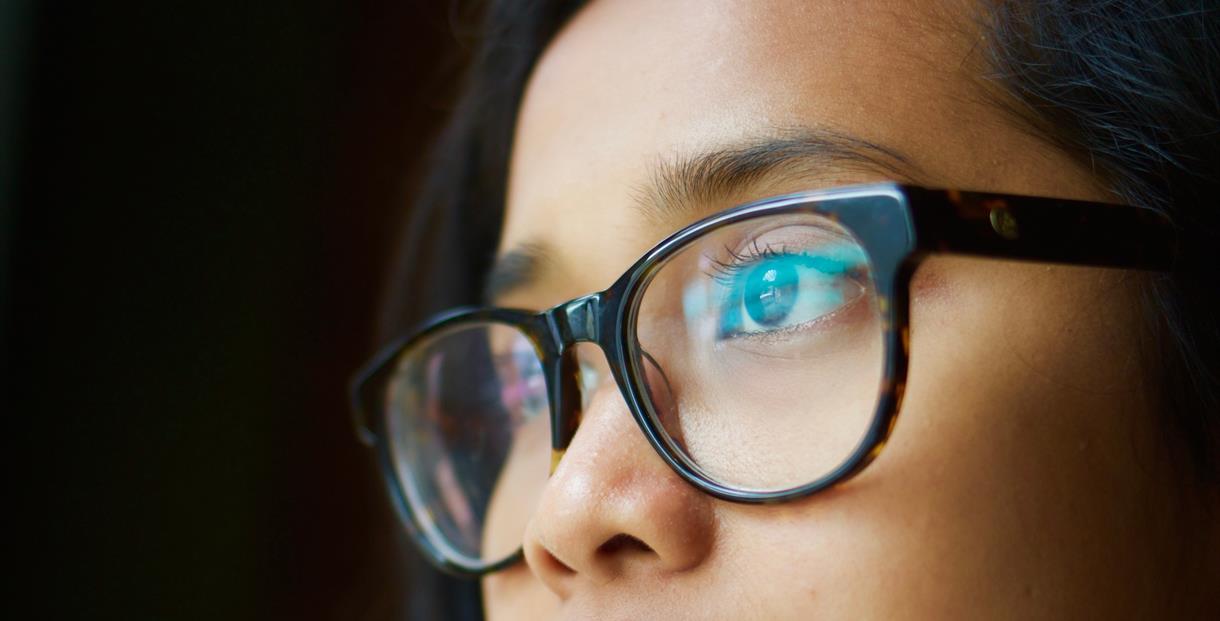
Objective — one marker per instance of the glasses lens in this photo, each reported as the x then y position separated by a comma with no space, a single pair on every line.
761,350
469,437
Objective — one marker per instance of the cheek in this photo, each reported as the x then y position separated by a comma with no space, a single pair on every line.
514,594
1017,477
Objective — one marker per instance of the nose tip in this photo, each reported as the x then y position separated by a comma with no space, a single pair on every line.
637,534
613,509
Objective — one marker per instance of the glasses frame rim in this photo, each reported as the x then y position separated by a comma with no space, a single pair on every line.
929,221
372,430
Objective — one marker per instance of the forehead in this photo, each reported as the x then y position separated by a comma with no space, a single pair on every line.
629,84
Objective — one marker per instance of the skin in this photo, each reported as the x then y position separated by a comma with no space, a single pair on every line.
1027,477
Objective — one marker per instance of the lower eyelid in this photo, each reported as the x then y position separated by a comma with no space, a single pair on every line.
849,305
839,314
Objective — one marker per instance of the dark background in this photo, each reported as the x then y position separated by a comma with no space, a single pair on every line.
198,200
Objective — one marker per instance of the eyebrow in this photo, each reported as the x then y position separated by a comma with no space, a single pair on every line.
682,187
515,270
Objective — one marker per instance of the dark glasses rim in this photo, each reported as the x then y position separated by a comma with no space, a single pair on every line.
926,221
629,354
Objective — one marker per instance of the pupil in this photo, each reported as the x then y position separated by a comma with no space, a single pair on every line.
770,293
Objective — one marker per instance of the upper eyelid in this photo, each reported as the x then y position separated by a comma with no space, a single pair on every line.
742,260
794,232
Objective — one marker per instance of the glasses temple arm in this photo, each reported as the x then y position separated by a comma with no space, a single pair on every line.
1041,229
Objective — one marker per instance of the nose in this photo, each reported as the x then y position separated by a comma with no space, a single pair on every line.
612,509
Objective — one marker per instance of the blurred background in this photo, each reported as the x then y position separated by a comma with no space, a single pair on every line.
198,200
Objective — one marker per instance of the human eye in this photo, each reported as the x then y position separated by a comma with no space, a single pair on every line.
784,283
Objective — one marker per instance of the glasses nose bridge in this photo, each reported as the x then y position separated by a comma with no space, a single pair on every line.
570,323
576,321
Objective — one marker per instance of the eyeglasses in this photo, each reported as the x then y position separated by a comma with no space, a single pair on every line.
762,351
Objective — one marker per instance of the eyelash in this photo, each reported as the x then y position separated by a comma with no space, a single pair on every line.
726,272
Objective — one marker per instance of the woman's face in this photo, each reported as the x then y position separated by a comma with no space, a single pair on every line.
1025,476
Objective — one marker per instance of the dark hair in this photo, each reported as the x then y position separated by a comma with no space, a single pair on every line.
1128,88
1131,89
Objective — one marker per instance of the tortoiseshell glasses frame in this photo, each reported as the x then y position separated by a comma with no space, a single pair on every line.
897,226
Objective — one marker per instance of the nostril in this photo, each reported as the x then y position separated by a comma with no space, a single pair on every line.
545,560
622,543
